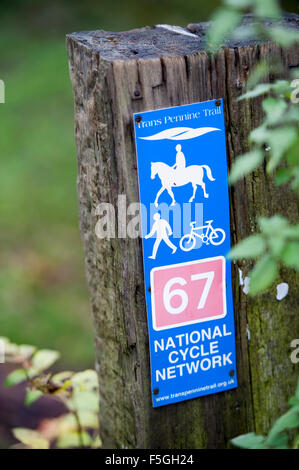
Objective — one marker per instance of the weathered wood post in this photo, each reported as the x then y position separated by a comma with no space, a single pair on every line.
115,75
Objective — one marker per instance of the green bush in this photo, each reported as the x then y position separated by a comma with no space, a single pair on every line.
78,391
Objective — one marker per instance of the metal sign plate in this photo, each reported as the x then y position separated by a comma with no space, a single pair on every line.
182,171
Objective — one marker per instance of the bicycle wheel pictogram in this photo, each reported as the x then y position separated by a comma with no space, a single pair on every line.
217,236
187,242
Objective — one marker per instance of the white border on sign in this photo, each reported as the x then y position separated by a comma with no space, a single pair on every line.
199,320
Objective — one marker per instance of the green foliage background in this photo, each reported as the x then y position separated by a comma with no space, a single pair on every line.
43,296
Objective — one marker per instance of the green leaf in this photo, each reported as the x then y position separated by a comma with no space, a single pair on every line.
245,33
258,73
279,441
292,155
84,401
292,231
44,358
4,340
15,377
32,396
30,438
280,140
294,73
249,441
62,377
26,350
87,419
74,439
276,245
11,349
96,443
274,225
87,379
289,420
267,9
263,274
281,87
259,90
283,175
224,21
274,109
291,116
293,401
260,135
290,255
283,36
239,4
250,247
296,442
245,164
295,182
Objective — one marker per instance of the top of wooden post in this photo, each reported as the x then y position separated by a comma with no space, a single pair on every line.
161,40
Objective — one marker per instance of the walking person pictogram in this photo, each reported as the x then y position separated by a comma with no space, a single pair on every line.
162,229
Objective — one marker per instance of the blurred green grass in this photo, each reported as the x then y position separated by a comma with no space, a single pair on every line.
43,296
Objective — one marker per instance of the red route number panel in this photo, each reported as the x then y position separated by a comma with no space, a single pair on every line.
187,293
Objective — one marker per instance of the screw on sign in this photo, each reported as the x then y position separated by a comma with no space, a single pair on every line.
188,278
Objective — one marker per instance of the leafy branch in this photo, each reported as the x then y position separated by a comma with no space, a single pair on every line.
78,391
278,243
227,23
278,437
275,138
275,141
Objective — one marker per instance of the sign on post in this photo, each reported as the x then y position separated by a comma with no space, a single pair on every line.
183,187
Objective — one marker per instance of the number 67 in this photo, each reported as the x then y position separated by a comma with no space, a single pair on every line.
168,294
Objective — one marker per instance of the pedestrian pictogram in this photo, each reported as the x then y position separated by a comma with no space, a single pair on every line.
162,230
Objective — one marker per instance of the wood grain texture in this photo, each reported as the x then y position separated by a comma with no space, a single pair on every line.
114,75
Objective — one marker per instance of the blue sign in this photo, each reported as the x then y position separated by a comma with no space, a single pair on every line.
183,187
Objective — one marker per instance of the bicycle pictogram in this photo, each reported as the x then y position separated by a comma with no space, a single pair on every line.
208,235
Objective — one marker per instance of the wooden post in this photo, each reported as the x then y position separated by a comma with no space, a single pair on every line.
114,75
